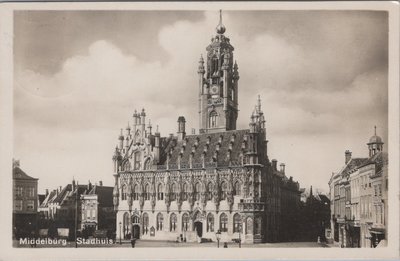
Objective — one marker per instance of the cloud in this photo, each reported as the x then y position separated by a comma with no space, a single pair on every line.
317,98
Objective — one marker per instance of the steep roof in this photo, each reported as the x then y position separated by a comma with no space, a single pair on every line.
212,142
354,163
20,174
104,195
380,157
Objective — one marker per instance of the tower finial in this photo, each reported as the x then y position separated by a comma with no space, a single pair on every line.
375,129
220,27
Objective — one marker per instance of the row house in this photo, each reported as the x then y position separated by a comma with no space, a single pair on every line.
359,198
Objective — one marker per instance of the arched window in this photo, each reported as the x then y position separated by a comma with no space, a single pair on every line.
224,188
147,164
160,221
137,160
147,192
160,192
223,222
197,191
236,223
135,192
185,191
212,123
249,226
210,223
185,222
123,194
173,222
237,190
145,223
126,225
210,189
174,191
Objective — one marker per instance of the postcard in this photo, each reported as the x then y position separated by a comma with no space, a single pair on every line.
176,130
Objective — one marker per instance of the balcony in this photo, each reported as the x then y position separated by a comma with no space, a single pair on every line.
251,205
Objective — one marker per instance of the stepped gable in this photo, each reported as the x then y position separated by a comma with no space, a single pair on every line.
212,142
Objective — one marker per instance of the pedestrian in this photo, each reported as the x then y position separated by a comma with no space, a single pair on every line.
225,245
133,241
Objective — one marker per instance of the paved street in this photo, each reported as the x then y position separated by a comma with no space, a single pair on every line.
148,243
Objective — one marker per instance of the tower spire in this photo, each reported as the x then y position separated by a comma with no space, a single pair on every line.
375,130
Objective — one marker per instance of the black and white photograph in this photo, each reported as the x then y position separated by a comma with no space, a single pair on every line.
203,126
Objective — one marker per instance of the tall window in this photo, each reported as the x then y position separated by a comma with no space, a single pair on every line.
123,194
174,191
160,192
173,222
126,224
210,223
30,205
18,191
160,221
197,191
145,223
224,188
147,192
249,226
185,222
31,191
236,223
185,191
137,160
237,190
257,225
223,222
135,192
210,189
213,119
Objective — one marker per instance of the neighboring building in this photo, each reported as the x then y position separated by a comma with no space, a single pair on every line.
62,206
98,209
189,187
359,198
25,203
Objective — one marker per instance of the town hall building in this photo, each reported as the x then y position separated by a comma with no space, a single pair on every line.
218,183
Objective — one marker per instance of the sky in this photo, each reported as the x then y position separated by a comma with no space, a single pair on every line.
79,76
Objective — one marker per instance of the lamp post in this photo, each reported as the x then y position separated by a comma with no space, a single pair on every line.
240,231
120,228
218,235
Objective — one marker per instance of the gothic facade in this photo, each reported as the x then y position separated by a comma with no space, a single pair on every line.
189,187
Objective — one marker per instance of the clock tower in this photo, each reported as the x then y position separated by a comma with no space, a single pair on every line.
218,85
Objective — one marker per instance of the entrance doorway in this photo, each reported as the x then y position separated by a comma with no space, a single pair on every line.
198,226
136,231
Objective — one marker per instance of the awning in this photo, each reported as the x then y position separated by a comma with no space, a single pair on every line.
377,230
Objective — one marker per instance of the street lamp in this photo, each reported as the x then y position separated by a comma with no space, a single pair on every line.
218,235
240,240
120,228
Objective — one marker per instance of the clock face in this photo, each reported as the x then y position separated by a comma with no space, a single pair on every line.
214,89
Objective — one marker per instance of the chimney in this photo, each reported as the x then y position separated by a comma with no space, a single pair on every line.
193,131
282,167
347,156
274,164
181,128
100,183
60,188
47,192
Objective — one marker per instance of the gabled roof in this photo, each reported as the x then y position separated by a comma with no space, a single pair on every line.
175,147
354,163
380,157
104,195
20,174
